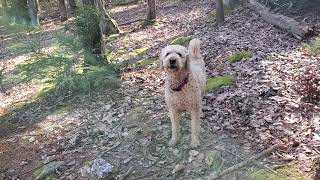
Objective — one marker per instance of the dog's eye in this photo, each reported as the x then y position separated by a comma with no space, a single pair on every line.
167,55
179,54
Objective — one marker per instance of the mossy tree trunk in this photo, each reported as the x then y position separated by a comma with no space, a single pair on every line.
33,8
151,16
231,3
63,10
4,7
21,11
73,6
106,24
219,12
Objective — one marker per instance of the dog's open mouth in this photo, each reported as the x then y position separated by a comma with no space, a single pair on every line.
172,66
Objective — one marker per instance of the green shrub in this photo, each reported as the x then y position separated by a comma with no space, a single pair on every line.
314,46
239,55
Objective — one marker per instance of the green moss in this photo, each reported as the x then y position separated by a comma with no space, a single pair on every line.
218,81
112,37
146,61
124,56
314,46
12,28
239,55
283,173
183,40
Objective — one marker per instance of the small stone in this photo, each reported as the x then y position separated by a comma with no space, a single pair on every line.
193,153
31,139
12,140
178,168
22,163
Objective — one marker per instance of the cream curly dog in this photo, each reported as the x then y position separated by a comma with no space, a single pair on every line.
184,86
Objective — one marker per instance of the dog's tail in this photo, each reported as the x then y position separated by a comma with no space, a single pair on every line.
194,49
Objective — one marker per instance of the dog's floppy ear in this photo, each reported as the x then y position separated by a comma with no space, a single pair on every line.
187,62
161,57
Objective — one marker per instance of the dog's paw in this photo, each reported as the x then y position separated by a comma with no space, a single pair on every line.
173,142
195,143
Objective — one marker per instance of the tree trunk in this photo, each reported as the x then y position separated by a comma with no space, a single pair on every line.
88,2
63,10
231,4
21,13
33,8
219,12
107,26
73,6
297,29
4,7
151,10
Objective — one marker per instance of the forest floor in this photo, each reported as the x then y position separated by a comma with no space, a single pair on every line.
44,133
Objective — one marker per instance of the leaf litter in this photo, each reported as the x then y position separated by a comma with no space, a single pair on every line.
129,128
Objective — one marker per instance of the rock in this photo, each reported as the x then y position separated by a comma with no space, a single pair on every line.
47,170
22,163
178,169
99,168
74,140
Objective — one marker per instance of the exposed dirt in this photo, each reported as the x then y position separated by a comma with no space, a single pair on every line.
129,127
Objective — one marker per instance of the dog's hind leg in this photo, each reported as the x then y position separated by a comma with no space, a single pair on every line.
195,126
175,125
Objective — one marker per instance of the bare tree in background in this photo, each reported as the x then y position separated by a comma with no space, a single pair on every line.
73,6
33,8
4,7
151,10
219,12
63,10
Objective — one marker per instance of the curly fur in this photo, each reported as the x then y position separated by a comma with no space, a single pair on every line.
188,63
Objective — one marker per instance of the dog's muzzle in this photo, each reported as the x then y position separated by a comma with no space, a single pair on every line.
173,63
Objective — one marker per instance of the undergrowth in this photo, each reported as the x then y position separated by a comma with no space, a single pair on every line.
239,55
314,46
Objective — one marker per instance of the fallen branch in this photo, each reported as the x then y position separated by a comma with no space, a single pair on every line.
297,29
244,163
130,22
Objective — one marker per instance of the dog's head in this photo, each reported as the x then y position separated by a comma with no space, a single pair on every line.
174,58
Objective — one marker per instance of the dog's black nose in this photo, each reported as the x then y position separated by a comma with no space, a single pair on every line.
172,61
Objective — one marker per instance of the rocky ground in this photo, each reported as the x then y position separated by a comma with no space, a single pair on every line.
126,130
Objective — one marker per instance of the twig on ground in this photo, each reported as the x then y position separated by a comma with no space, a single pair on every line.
239,157
130,22
126,174
109,149
244,163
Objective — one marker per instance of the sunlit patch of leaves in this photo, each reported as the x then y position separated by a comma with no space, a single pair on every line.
282,172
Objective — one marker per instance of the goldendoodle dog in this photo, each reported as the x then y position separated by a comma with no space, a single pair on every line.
184,86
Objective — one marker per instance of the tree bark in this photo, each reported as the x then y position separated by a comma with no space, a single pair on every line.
297,29
107,26
73,6
33,8
63,10
219,12
4,7
22,15
151,10
230,3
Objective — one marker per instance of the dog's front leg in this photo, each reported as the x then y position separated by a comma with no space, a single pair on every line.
175,125
195,126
